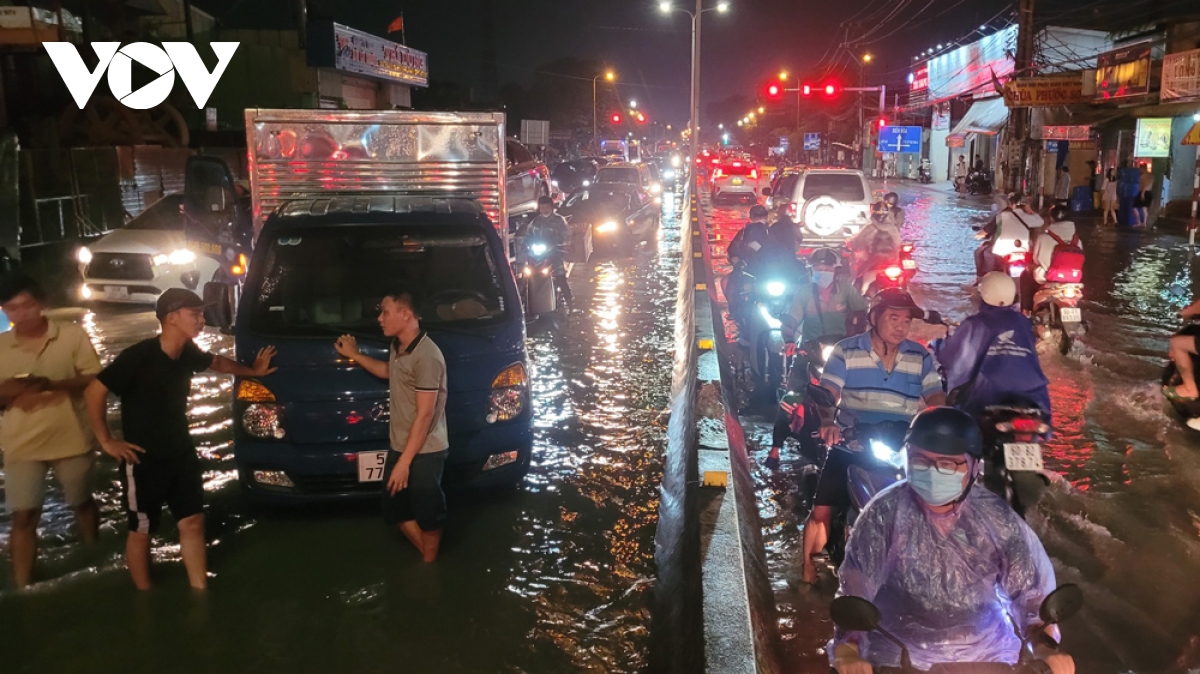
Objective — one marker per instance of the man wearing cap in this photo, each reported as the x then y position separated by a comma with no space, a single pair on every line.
159,464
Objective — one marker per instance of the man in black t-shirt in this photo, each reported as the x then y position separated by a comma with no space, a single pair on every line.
159,465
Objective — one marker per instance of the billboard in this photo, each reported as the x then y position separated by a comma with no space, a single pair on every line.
906,139
969,69
1123,72
1181,76
332,45
1153,137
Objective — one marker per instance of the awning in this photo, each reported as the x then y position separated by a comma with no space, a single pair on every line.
986,117
1074,116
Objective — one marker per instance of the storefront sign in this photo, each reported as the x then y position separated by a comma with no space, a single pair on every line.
956,141
1043,92
1153,137
332,45
1066,132
941,120
1123,72
918,80
1192,137
969,69
1181,76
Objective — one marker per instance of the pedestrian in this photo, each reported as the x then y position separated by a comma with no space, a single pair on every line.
159,464
979,164
1141,204
1108,195
44,366
1062,187
416,374
960,176
1094,183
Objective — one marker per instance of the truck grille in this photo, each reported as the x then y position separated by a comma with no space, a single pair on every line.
120,267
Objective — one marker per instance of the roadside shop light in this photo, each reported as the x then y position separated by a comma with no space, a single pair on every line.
85,292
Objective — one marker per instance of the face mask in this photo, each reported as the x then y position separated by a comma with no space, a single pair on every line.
823,278
933,487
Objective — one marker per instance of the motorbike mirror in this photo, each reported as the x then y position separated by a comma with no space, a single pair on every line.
855,614
1176,290
821,396
1061,604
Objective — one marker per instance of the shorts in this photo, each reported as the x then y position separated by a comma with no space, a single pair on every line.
833,487
25,481
1110,204
423,499
149,485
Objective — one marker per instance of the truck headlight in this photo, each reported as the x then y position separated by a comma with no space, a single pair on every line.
264,420
181,256
84,255
507,399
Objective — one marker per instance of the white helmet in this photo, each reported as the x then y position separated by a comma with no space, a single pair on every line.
998,289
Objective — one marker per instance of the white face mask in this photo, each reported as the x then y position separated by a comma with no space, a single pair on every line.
823,278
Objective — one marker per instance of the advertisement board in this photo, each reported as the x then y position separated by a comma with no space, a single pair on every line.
1181,76
1124,72
906,139
969,69
1066,132
1152,138
332,45
1044,92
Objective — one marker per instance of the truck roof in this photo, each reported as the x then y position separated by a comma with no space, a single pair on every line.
376,208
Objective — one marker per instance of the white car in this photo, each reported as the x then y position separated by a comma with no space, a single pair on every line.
137,263
735,179
831,204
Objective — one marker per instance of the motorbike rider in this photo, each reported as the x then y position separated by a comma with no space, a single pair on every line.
878,243
1182,349
1060,231
553,229
1010,232
746,251
952,568
829,307
785,236
878,376
991,359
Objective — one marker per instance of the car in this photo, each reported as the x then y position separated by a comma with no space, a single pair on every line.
783,181
573,175
620,214
528,179
735,179
628,172
669,168
138,262
830,204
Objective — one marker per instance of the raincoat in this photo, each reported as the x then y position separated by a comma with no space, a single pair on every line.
996,351
946,585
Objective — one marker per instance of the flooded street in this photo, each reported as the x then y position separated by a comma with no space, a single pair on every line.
1124,524
556,577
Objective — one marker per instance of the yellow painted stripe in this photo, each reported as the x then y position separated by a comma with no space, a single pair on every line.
701,286
706,344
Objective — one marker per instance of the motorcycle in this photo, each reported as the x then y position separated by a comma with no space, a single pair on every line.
1056,307
894,274
978,183
925,173
767,299
1013,436
855,614
884,444
539,293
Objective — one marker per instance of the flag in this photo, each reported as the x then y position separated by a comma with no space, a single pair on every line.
397,25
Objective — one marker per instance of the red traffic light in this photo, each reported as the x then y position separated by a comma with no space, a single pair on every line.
830,89
641,118
882,122
616,118
774,91
806,90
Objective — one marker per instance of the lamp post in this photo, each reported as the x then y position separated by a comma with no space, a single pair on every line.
610,76
666,8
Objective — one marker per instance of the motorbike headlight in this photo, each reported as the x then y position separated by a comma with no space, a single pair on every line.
507,399
610,226
776,288
892,457
772,322
181,256
84,255
538,248
587,183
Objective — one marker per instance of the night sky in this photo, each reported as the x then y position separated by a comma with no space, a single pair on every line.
649,51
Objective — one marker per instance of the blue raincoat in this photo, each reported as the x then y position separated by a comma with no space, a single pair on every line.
946,585
997,350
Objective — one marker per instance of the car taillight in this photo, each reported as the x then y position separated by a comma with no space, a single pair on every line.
793,209
754,174
893,272
716,161
737,164
717,173
906,248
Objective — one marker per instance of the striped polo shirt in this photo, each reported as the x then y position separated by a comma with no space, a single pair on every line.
872,395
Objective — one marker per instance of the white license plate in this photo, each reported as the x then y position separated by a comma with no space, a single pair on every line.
1016,272
908,264
371,466
1022,456
1070,315
116,292
737,182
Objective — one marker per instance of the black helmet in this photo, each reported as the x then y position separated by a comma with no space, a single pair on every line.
826,256
758,212
891,198
945,430
893,298
1058,213
545,201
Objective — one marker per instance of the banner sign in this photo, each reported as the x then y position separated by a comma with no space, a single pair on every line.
1123,72
906,139
918,80
1066,132
332,45
956,141
941,119
1181,76
969,69
1153,137
1044,92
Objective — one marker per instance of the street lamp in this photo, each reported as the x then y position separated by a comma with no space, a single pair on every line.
720,126
782,75
667,8
633,104
741,122
610,76
761,109
867,58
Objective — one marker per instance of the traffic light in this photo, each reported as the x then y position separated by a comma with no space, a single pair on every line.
882,122
774,91
831,89
616,118
806,89
641,118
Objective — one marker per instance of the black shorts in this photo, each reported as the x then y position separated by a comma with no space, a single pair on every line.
423,499
833,487
152,483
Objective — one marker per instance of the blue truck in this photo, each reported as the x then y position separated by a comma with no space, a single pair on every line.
345,205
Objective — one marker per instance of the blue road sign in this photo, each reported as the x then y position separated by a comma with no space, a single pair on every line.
812,141
900,139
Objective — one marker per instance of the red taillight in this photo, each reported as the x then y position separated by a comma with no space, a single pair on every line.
737,164
906,247
793,209
805,252
893,272
1026,425
1016,258
716,161
754,174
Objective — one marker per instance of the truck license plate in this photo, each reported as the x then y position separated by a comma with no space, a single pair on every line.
371,466
116,292
1070,315
1022,456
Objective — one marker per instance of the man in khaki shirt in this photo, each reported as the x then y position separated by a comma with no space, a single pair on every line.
44,367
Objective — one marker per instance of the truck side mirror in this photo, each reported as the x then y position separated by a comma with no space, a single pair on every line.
219,312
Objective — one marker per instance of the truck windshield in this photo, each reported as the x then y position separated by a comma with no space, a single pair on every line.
314,281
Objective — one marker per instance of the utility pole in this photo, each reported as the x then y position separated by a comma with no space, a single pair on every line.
1020,117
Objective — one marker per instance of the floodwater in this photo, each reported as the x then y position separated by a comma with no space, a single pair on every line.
1124,523
556,577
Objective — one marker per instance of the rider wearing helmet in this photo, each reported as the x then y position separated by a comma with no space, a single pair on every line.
954,571
825,311
747,251
553,228
878,376
991,359
878,243
1060,232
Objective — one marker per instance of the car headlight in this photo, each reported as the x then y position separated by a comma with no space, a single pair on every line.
605,228
892,457
776,288
263,421
772,322
668,173
655,188
84,255
587,183
507,400
181,256
160,260
537,248
675,161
